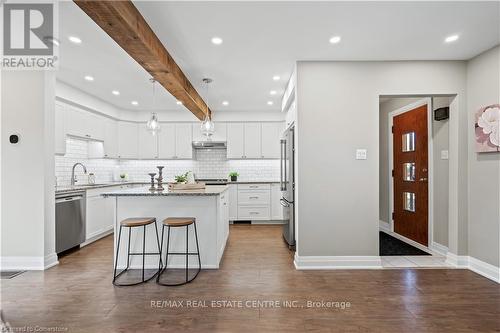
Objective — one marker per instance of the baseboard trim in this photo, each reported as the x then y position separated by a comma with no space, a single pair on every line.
384,226
482,268
98,235
50,260
439,249
336,262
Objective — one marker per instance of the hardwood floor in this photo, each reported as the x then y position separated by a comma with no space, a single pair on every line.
78,295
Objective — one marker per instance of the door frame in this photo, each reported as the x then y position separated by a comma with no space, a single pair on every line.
430,167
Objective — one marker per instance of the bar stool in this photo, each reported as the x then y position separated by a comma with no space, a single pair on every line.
177,222
136,222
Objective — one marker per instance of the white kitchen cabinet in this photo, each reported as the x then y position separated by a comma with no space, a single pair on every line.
110,138
223,224
271,134
253,140
127,140
220,133
166,141
235,140
183,141
95,126
60,130
84,124
276,208
233,202
148,143
99,215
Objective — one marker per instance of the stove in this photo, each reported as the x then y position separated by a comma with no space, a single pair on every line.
213,181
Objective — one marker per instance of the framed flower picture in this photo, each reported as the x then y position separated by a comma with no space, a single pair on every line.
487,128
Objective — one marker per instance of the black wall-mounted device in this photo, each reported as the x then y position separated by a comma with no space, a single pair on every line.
14,138
442,113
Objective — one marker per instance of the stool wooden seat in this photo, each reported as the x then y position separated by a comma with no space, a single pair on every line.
137,221
178,221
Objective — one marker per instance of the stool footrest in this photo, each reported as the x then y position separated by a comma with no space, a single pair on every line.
146,254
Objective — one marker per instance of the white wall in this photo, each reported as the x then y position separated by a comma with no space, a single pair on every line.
28,227
483,87
338,205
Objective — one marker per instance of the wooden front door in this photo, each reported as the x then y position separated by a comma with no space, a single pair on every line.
410,174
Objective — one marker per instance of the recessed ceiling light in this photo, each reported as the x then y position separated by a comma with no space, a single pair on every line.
272,92
179,103
276,78
115,92
134,103
451,38
335,39
216,40
225,103
75,40
89,78
270,103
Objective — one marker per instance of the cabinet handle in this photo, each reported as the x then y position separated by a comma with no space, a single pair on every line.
254,186
253,197
254,213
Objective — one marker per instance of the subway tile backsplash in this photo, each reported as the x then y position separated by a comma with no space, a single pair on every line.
206,164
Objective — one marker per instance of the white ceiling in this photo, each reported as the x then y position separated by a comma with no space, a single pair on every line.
262,39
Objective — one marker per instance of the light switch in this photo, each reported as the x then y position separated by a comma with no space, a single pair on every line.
444,154
361,154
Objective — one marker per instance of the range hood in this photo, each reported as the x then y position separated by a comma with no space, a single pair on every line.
209,144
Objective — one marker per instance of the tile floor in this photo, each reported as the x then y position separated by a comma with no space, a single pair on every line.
434,261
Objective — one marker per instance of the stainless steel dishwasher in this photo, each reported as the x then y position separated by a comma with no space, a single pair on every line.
70,220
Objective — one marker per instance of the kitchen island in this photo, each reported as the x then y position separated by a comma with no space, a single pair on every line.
209,206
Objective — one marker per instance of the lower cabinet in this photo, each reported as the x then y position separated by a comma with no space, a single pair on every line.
255,202
100,214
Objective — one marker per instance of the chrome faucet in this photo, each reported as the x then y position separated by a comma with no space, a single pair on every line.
73,178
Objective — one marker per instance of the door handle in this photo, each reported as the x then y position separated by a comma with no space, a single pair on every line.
423,179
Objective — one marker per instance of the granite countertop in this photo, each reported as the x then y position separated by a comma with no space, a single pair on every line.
254,182
75,188
210,190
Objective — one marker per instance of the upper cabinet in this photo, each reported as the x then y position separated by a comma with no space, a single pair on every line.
271,135
175,141
110,138
128,140
220,133
235,140
253,140
148,143
60,130
84,124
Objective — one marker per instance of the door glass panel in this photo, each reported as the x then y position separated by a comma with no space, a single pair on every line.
409,172
409,142
409,201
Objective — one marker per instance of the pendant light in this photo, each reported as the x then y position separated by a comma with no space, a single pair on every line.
207,125
153,124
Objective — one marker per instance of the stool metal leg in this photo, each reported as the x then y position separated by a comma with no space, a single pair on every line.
128,252
197,249
117,251
187,252
143,251
158,242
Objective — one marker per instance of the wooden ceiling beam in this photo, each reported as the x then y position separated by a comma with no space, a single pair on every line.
123,22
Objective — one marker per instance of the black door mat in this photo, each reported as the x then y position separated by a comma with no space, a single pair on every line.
10,274
391,246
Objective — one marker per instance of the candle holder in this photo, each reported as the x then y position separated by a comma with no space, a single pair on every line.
152,175
160,178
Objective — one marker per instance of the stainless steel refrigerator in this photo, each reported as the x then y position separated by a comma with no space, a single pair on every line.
287,183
